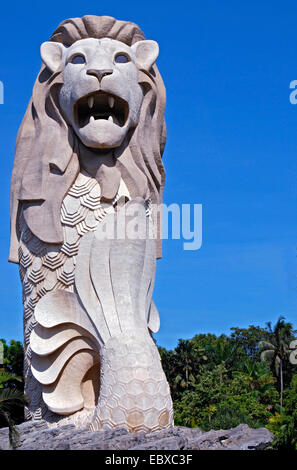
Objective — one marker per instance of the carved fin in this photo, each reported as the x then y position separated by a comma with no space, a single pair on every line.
65,396
47,368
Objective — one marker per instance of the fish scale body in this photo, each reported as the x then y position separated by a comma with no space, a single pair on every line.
45,267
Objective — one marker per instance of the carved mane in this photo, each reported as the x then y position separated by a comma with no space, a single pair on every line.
47,150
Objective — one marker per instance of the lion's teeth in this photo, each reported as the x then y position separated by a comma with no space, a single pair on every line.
91,101
111,101
110,118
92,119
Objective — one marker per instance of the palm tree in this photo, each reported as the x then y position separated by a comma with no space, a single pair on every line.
257,374
223,353
10,397
277,349
188,360
6,377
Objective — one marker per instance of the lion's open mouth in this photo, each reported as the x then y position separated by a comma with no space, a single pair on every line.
101,105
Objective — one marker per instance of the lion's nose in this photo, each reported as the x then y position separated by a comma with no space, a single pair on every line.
99,73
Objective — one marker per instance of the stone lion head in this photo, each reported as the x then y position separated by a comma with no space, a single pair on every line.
98,103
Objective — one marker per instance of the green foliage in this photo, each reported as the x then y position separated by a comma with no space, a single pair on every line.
249,339
220,382
219,402
276,351
13,357
10,399
216,382
182,365
11,389
6,378
284,425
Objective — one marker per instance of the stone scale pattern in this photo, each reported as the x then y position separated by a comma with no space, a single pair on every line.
45,267
134,392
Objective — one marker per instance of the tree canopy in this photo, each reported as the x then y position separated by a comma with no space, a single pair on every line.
216,382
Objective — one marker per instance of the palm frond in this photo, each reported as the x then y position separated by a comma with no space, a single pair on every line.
9,395
6,377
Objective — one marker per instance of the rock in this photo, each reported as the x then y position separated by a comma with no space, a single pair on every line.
240,438
169,443
37,435
26,430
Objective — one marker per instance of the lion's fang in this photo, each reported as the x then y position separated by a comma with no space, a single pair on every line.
110,118
92,119
91,101
111,101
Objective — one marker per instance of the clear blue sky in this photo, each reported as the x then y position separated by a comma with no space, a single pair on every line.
232,146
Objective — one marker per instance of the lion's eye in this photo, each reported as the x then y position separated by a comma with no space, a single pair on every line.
77,59
122,58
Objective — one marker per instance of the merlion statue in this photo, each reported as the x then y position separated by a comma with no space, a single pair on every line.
87,164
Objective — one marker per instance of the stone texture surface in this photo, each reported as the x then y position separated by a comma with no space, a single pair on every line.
96,330
99,60
134,392
36,435
75,167
46,268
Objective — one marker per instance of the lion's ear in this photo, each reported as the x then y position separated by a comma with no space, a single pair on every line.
146,53
51,55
